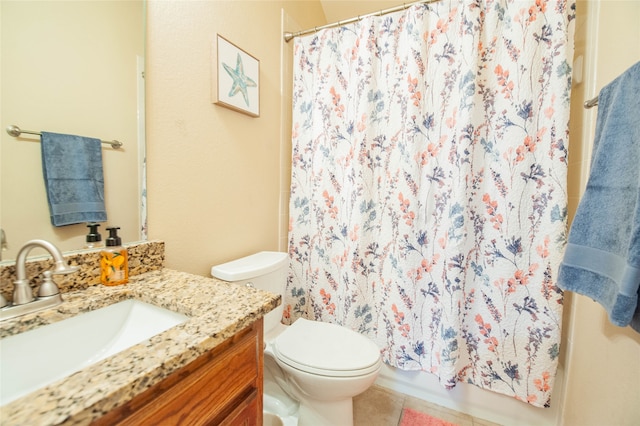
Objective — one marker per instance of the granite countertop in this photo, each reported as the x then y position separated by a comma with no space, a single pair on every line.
217,310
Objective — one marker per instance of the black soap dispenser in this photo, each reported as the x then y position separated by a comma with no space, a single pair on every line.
93,238
114,264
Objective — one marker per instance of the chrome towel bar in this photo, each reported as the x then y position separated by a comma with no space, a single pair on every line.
15,131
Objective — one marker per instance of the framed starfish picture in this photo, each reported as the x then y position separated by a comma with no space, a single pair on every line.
237,83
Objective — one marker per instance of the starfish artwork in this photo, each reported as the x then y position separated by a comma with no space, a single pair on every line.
240,80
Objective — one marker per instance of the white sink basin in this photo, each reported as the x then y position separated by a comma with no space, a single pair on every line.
36,358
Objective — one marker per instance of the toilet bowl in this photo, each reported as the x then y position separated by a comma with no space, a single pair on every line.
319,366
326,365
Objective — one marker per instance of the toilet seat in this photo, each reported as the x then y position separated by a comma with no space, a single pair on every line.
326,349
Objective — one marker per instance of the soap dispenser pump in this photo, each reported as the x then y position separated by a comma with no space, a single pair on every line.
114,265
93,238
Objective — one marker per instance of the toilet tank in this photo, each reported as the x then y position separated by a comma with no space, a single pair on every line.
266,270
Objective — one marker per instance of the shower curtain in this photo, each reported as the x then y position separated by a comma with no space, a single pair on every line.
428,193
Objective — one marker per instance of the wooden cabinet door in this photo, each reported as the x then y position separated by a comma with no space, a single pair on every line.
223,386
245,413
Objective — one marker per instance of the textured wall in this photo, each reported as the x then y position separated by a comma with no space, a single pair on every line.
214,174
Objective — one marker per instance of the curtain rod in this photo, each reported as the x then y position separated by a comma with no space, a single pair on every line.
288,36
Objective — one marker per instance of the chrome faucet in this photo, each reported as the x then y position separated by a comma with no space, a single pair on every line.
48,294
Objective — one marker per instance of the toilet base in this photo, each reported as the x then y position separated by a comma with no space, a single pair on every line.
275,413
271,420
326,413
279,408
303,410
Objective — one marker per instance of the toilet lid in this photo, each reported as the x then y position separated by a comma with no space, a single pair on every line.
326,349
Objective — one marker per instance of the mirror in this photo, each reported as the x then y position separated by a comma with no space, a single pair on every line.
71,67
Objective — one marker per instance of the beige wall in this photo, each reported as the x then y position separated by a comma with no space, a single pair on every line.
68,67
214,174
603,361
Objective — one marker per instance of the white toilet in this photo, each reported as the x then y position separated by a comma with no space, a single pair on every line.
321,366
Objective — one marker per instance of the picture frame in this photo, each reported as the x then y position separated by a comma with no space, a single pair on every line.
236,78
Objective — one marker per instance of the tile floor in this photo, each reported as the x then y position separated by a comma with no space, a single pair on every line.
380,406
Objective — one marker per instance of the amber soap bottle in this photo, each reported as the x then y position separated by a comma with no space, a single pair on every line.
114,264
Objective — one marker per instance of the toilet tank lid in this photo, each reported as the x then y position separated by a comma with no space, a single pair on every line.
251,266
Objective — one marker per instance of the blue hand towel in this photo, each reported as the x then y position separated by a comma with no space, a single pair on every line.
72,168
602,258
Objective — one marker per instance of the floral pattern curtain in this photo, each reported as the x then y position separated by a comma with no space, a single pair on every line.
428,194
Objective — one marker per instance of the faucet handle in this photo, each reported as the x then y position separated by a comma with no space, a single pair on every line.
48,287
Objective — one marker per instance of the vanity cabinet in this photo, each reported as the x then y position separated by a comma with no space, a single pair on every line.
221,387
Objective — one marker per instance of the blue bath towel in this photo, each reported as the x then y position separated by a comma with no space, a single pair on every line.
602,259
72,168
